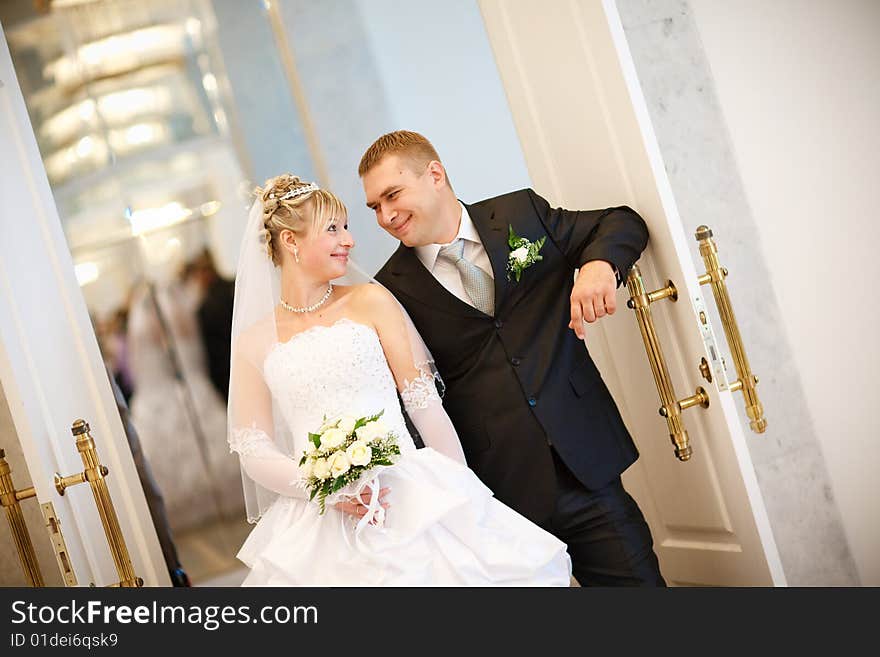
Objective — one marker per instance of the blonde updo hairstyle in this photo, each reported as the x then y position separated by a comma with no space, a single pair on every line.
300,214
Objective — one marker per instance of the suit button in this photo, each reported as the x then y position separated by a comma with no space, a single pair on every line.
515,361
498,323
533,402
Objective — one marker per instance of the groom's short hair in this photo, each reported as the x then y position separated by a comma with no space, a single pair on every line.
409,146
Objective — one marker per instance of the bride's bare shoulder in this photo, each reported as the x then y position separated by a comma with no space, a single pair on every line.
371,298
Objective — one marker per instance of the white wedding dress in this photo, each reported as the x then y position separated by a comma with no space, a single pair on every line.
443,527
163,420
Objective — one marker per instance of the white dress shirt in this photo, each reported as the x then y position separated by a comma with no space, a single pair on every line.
446,272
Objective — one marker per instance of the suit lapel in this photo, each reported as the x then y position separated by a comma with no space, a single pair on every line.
411,278
493,234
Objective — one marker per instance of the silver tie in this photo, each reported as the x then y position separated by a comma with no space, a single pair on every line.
478,284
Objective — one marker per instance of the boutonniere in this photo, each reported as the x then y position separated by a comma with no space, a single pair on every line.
523,254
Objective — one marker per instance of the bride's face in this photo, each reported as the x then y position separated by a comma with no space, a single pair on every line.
324,251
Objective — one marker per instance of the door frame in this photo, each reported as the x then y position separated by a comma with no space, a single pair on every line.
51,368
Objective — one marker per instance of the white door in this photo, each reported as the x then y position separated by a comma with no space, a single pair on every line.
588,142
50,365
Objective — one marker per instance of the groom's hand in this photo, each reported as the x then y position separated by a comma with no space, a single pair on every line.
593,295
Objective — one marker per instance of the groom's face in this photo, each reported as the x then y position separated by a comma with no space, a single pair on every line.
405,201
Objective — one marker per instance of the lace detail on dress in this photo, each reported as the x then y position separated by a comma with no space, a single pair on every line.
250,441
421,391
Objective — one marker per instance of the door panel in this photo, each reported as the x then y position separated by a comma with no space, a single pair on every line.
50,366
588,141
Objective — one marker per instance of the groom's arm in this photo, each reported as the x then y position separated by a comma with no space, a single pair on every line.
617,235
603,245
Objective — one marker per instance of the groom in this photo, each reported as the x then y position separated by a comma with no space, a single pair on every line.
536,421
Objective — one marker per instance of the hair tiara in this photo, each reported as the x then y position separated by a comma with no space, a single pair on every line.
299,191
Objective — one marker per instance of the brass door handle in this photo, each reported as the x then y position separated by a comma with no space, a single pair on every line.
746,381
671,408
94,474
9,500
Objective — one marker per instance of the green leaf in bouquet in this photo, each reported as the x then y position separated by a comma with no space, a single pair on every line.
366,420
316,439
313,493
338,484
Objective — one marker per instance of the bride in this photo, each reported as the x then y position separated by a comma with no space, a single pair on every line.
306,349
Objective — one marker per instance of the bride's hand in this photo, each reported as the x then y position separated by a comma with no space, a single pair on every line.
354,507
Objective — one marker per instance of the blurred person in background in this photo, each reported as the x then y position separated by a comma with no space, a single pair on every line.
153,494
117,345
213,298
176,409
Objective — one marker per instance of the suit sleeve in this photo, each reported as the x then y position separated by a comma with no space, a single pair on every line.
617,235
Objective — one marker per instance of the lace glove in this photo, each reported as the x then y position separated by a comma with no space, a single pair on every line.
422,403
266,464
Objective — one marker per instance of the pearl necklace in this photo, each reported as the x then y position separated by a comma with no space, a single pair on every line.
313,307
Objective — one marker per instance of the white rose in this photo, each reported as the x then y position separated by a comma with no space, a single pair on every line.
332,438
327,424
306,468
359,453
520,255
339,464
321,469
365,433
346,423
372,430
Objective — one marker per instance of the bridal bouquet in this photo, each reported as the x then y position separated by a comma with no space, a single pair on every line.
342,450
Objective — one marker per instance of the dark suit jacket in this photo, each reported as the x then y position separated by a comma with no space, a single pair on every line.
521,380
215,326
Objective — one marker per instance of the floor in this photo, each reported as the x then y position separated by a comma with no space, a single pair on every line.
230,578
207,553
